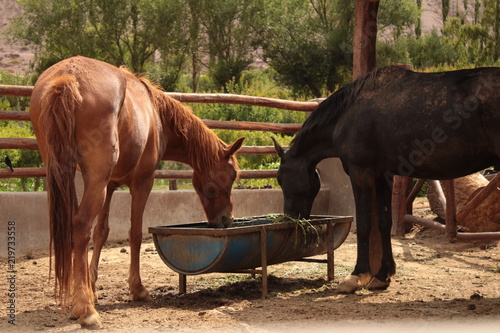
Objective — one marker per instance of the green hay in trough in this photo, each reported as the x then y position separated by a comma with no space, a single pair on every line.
303,226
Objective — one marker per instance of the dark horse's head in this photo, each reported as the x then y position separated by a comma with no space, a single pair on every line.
299,182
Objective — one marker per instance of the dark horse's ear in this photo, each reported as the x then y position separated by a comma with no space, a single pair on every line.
278,148
234,147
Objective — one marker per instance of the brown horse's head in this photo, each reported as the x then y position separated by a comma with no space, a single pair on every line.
214,187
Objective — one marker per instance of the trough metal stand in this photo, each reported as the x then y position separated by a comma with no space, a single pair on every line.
402,201
263,271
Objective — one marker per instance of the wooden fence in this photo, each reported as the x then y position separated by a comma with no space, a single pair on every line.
31,144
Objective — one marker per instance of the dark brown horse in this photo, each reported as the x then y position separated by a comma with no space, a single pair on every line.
115,128
393,122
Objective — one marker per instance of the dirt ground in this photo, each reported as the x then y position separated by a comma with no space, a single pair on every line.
439,286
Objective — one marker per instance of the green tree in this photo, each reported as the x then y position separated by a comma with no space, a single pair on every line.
131,31
431,50
445,9
309,43
396,21
56,28
398,16
491,22
457,43
195,42
120,32
418,25
473,42
227,25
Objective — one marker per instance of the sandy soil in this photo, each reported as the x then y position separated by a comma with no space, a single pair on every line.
439,286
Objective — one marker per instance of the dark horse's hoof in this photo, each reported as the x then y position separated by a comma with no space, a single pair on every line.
349,285
376,284
353,282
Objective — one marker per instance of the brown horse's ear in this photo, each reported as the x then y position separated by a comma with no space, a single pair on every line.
278,148
234,147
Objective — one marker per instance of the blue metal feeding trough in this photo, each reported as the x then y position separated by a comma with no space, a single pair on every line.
248,243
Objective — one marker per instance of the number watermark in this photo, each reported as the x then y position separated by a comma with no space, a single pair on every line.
11,272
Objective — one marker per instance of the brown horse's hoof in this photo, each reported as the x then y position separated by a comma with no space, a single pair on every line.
376,284
349,285
140,295
91,321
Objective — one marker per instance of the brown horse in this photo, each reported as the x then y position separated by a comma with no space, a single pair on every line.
115,128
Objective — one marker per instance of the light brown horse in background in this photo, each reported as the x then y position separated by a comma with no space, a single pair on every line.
115,128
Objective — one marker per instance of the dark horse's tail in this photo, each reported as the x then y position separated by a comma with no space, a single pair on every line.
60,102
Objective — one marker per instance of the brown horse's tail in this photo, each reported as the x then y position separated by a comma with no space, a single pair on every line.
60,101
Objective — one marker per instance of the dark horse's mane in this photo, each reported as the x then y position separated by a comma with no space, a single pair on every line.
335,105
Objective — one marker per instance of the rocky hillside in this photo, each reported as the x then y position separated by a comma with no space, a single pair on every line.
16,58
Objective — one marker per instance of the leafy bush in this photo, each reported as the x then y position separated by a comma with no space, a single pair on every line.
17,129
19,157
254,83
431,50
14,102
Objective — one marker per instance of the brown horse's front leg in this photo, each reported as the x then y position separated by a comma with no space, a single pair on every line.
100,235
140,196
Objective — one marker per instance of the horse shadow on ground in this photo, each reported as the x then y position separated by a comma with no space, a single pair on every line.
249,289
438,246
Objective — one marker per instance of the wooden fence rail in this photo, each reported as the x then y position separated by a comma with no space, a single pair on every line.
159,174
203,98
213,124
31,144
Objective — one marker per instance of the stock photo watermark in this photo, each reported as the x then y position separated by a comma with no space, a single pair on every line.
11,305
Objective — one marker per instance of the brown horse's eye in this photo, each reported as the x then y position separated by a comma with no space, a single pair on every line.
211,191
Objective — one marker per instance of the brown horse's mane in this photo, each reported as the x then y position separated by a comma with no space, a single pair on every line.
201,143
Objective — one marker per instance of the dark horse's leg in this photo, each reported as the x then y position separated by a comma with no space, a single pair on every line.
363,186
388,267
372,195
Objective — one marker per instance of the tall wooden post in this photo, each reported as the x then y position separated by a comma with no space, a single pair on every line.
364,60
365,37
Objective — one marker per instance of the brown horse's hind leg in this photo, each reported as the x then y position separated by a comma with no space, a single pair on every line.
82,300
100,235
96,165
140,193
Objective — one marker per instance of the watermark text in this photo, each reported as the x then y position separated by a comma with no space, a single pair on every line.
11,273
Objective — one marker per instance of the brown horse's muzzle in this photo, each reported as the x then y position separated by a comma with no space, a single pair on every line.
222,220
